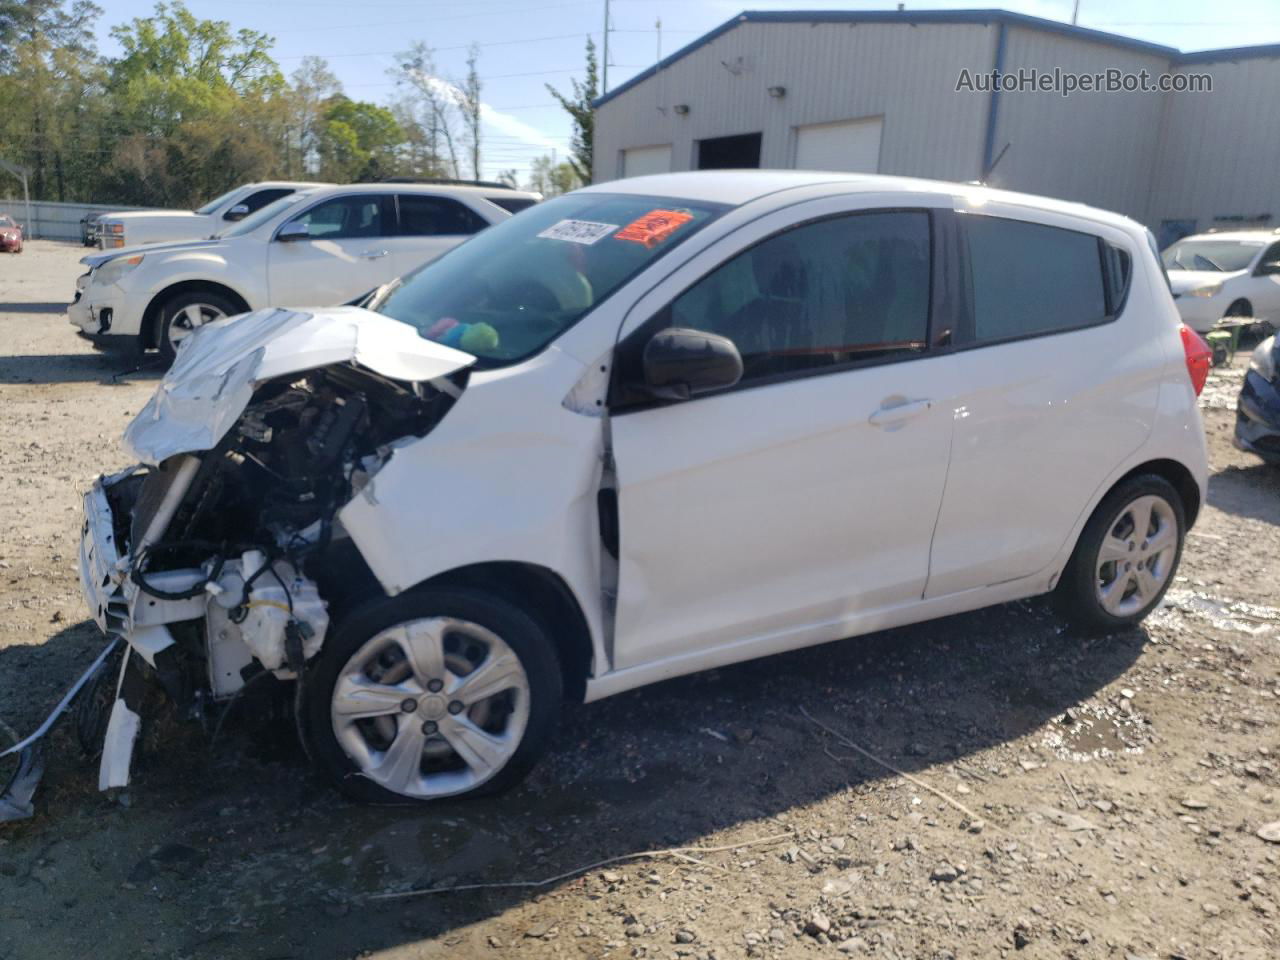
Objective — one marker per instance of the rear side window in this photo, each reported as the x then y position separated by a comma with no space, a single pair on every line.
424,216
1029,279
513,204
835,292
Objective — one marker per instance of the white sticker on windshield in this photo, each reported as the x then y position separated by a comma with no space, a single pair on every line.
579,231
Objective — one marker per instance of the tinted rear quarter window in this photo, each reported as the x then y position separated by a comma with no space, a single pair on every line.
513,204
1030,279
426,216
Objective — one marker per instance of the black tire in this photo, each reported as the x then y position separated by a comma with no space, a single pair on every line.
1076,596
525,636
1240,308
175,307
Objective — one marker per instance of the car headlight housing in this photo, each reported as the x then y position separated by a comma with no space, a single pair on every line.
114,270
1209,290
1263,361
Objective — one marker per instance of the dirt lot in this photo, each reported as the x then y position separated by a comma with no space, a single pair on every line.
1115,785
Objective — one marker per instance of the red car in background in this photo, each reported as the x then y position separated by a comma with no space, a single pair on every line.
10,235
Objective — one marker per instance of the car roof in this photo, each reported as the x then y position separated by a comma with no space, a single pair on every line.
1261,236
295,184
739,187
445,189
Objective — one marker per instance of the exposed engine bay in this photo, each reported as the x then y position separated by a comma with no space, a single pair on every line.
218,566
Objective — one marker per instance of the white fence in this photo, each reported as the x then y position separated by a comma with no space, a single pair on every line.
53,221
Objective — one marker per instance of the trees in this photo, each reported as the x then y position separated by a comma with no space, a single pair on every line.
579,108
190,107
358,141
552,179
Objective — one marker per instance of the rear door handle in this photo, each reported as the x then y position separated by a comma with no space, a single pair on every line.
895,411
372,254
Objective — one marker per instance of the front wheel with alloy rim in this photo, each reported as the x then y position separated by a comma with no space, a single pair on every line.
1126,556
432,694
182,315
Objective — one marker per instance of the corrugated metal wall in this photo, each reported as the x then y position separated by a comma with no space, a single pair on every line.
1095,148
830,72
1219,151
54,221
1153,156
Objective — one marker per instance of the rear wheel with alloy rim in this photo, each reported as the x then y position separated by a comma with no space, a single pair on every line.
434,694
187,312
1126,556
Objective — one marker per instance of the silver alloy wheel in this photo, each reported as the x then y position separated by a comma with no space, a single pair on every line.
186,320
1136,558
431,708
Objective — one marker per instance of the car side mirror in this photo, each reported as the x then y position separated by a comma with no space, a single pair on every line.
293,231
680,363
1270,268
238,212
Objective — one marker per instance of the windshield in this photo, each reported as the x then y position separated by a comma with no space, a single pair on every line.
213,205
1222,256
259,217
6,222
509,291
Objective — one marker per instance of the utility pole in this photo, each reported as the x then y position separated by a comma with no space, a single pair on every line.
604,71
1075,13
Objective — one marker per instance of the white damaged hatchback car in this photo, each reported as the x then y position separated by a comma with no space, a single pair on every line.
644,429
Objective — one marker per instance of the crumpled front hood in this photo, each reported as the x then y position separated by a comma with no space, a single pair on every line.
220,365
1183,280
149,249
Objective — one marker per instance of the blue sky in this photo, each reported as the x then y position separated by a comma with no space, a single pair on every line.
527,43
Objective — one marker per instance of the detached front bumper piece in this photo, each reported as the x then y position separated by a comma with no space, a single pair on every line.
15,800
1258,418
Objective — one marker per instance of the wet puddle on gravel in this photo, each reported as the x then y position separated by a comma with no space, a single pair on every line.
1090,732
1222,388
1220,612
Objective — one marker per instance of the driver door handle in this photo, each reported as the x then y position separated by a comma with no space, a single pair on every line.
372,254
895,411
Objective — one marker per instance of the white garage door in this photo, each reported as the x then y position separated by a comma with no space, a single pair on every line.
638,161
852,146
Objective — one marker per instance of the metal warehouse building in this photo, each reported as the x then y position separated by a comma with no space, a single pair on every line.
877,92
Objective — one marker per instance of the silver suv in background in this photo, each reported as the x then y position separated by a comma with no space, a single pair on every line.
318,246
132,227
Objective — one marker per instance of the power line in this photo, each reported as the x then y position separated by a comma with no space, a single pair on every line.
461,46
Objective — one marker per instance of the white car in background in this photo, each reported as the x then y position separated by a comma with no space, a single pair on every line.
131,227
1217,275
694,418
318,246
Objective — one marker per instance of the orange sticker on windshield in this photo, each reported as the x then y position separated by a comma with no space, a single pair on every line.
654,227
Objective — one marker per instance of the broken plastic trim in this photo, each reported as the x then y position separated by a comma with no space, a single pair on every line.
15,801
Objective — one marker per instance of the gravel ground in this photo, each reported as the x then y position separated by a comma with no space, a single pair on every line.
1040,793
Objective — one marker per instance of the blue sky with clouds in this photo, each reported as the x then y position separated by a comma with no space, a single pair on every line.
527,43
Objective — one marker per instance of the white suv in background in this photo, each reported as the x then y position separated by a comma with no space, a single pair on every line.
691,419
1217,275
318,246
133,227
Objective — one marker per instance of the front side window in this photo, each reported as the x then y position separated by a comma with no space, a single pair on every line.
510,290
344,218
424,216
1029,279
1218,256
266,215
826,294
215,203
260,198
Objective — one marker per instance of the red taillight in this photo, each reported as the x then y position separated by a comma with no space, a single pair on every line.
1199,357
